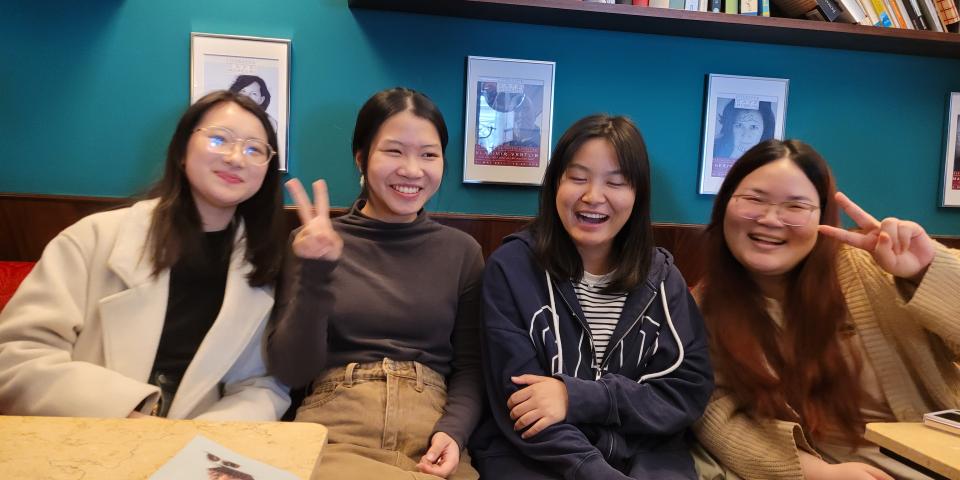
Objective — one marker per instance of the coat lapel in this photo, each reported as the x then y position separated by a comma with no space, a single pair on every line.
133,318
241,316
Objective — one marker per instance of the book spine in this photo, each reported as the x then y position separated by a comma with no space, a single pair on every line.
829,10
871,14
748,7
930,15
764,8
731,6
891,6
947,11
716,6
916,15
904,14
691,5
881,13
641,3
855,11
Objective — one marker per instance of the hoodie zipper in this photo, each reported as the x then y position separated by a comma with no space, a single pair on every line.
585,327
606,356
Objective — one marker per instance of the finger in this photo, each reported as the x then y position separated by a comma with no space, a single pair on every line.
520,409
883,253
527,379
863,219
435,452
519,397
299,196
321,200
877,473
854,239
889,226
536,428
906,232
527,419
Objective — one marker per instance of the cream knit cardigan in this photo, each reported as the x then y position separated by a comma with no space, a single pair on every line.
913,345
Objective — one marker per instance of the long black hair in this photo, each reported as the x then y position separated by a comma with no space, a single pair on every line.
633,245
176,227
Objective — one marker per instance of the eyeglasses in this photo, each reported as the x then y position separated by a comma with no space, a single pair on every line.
222,140
791,214
225,463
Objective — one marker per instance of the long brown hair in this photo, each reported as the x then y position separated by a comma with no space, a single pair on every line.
633,244
802,366
176,227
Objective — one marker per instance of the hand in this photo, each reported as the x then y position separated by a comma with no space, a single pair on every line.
900,247
816,469
317,239
136,414
543,402
442,458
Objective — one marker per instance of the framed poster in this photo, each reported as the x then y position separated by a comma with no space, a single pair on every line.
951,164
509,118
741,112
256,67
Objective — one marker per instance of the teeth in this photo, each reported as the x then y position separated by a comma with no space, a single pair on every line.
765,238
406,188
595,216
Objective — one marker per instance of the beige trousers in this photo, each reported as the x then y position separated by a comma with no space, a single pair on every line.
379,418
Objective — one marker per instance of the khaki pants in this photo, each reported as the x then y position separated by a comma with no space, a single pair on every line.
379,418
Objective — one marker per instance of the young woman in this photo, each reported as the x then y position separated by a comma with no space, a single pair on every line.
595,355
811,338
160,307
380,308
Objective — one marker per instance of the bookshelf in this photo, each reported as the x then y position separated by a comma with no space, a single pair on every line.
627,18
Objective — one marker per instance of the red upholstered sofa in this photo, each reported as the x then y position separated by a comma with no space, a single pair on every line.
11,274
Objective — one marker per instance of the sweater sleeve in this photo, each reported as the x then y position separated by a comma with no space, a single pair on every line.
297,340
465,383
507,351
752,448
934,302
39,329
674,390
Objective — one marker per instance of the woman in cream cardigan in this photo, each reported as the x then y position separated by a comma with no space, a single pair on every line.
816,330
160,307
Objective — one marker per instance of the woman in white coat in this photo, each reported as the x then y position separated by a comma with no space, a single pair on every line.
159,308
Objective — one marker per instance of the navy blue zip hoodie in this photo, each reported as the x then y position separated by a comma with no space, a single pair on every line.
628,415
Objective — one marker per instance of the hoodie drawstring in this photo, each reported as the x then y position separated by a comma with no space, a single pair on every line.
676,338
558,368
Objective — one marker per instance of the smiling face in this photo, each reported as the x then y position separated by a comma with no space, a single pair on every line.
747,130
253,91
220,182
404,168
594,202
766,247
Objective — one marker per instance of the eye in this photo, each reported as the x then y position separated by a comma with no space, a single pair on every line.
217,140
753,200
253,150
431,155
393,152
796,207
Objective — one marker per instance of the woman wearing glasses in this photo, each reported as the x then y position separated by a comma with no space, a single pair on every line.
817,330
160,307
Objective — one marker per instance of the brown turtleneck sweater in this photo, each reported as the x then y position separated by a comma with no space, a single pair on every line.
405,291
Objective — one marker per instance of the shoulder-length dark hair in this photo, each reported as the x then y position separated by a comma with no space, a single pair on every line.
176,227
801,366
242,81
633,245
383,105
724,144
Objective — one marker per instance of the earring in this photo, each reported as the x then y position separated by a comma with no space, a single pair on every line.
361,181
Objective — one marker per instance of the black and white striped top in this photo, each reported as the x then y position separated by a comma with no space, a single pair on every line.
602,310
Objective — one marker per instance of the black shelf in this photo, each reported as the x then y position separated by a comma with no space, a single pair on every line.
627,18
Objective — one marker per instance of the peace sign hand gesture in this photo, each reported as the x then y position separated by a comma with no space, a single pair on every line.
317,239
900,247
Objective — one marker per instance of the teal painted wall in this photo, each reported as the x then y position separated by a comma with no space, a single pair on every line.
91,92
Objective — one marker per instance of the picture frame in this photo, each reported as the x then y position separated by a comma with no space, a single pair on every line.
509,120
950,196
740,113
258,67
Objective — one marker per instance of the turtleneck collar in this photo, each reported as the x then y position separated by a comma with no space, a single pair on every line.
355,218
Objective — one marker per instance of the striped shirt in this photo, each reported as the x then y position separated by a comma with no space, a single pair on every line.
602,311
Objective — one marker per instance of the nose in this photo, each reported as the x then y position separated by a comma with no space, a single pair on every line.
410,167
593,194
235,156
770,216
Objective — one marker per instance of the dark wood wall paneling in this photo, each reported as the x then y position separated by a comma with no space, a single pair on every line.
28,222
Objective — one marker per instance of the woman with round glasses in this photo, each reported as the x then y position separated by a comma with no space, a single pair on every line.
159,308
815,330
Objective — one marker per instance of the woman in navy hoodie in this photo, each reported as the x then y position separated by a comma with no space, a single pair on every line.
594,352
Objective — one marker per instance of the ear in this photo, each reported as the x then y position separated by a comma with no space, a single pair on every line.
356,161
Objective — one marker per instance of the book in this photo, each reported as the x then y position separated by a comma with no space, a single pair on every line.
764,8
828,9
716,6
731,6
641,3
901,7
947,11
890,6
677,4
853,9
748,7
930,15
660,3
881,13
693,5
871,13
915,14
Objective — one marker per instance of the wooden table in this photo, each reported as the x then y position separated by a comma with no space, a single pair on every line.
93,448
930,448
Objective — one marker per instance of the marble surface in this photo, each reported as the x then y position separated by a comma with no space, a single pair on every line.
90,448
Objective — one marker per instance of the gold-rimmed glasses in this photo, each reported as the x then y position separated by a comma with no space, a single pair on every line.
222,140
790,213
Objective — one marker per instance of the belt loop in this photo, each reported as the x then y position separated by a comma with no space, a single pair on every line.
419,369
348,374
